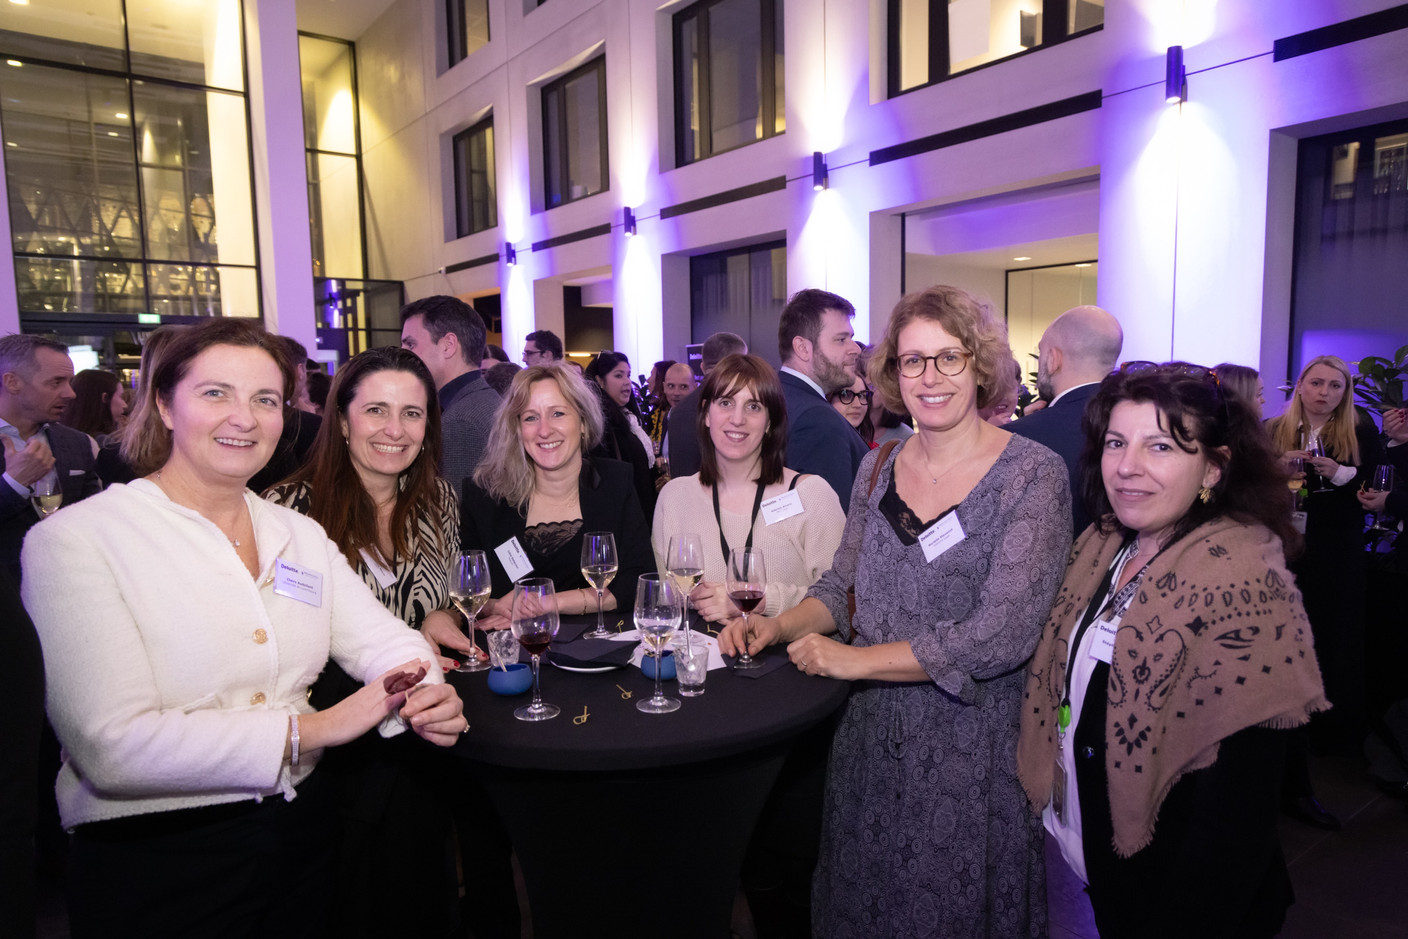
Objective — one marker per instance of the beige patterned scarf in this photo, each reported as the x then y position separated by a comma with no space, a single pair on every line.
1215,641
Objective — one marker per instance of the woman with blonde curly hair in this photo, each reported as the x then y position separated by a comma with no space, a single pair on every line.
537,486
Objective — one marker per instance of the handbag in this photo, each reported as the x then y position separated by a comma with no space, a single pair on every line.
874,477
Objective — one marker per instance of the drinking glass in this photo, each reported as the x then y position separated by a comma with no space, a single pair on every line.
691,667
685,564
657,618
1296,467
46,496
503,648
1316,482
469,591
534,622
747,583
1382,482
599,565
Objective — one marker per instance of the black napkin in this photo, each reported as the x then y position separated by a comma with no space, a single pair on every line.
766,665
589,653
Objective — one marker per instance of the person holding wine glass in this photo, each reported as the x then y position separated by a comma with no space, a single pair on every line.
743,496
1339,448
536,496
183,620
954,545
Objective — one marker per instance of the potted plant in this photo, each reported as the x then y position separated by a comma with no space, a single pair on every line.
1379,383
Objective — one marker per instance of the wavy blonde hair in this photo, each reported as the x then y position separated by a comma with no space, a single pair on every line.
962,316
506,472
1337,435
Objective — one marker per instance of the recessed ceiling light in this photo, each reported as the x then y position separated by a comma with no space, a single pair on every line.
1083,265
112,133
15,62
1024,258
121,115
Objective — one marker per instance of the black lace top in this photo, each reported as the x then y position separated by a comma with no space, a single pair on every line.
908,526
550,537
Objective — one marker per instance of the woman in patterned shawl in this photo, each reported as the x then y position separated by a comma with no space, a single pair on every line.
954,545
1176,655
371,482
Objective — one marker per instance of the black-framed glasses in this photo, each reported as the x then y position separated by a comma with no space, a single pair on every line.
949,362
846,395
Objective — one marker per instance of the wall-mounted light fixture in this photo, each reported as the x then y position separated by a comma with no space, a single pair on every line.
1175,78
820,179
628,224
510,255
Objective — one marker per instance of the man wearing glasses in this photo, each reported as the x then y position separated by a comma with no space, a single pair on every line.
541,348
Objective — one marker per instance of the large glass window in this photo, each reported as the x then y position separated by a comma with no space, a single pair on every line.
328,70
466,28
740,291
574,134
128,193
929,40
473,154
728,76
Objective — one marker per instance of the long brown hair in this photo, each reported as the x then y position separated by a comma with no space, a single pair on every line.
731,376
1337,435
339,502
90,409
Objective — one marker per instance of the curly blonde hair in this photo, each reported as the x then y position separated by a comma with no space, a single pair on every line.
970,321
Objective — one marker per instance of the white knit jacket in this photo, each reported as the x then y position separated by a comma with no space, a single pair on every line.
170,672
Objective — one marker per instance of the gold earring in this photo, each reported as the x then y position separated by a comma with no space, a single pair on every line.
1205,495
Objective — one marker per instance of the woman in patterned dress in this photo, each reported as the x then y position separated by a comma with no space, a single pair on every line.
371,482
955,554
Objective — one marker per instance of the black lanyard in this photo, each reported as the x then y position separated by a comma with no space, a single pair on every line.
718,517
1119,603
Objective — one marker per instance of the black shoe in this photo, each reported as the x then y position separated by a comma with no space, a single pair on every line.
1307,809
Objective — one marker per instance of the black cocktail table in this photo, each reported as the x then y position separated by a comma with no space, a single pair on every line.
633,824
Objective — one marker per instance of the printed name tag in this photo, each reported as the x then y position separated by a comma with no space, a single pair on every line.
384,577
784,506
514,559
1102,643
940,536
298,583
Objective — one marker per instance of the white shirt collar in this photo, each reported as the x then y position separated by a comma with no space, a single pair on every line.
806,378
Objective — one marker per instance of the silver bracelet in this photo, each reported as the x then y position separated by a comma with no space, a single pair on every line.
293,739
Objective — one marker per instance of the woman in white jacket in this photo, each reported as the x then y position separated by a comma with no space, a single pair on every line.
182,620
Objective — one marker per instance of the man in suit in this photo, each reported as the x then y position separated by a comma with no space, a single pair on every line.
682,433
541,347
35,376
1078,349
819,353
448,336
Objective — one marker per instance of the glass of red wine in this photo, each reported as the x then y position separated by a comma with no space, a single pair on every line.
747,584
534,622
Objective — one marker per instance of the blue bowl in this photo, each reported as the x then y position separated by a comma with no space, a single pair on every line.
667,666
518,679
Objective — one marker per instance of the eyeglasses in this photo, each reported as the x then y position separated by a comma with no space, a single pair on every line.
846,396
949,362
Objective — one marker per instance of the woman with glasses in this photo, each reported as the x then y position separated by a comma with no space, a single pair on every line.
954,545
853,404
1175,659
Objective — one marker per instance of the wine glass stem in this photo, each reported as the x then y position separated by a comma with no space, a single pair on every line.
537,690
745,657
659,664
473,648
600,611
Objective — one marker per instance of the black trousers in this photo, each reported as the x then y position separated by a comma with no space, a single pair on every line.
229,870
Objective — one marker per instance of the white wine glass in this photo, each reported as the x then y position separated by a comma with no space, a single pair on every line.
747,585
599,566
534,622
469,591
46,496
1382,481
684,562
657,618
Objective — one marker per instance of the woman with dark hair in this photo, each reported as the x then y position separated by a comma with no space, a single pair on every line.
853,403
742,439
954,545
537,486
1338,448
98,406
1175,658
371,482
183,620
623,438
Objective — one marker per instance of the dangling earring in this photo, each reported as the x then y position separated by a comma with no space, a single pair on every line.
1205,495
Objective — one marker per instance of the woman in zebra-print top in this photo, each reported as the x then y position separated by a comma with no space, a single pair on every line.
371,482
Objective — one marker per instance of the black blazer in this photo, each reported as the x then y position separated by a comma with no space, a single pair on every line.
683,431
73,457
1058,427
608,499
819,439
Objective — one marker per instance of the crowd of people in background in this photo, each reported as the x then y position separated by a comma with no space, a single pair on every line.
974,559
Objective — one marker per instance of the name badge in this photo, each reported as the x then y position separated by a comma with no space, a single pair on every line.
784,506
298,583
940,536
514,559
384,577
1102,643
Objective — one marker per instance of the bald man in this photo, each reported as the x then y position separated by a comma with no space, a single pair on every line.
1078,349
679,381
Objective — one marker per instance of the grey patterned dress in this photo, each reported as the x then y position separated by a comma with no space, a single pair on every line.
926,830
